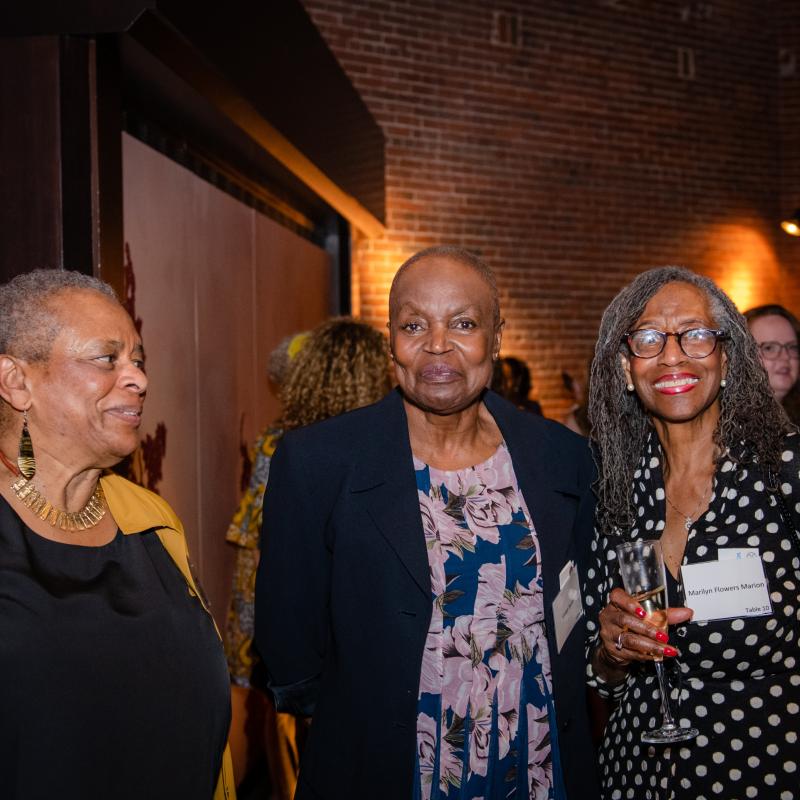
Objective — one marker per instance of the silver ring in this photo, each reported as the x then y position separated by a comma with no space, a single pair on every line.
618,643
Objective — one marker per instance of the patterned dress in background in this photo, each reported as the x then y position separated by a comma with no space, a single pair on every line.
284,733
736,680
244,531
485,720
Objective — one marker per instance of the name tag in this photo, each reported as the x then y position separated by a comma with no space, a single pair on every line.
734,586
567,606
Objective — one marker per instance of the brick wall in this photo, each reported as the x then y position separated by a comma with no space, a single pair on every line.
574,144
788,26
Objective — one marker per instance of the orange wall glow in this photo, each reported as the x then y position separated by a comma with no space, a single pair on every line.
743,264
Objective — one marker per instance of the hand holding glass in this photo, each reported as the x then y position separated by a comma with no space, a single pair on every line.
642,568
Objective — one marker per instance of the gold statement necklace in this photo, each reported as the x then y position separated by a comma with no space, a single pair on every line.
85,518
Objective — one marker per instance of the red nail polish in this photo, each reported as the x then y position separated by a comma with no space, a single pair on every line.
662,637
641,613
669,652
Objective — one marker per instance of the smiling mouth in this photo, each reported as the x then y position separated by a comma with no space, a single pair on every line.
684,384
129,414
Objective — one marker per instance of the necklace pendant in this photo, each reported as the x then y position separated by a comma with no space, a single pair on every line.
688,523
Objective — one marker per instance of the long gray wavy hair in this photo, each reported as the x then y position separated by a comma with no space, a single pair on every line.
751,423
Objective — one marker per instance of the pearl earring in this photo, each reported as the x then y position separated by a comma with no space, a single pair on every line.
723,383
630,387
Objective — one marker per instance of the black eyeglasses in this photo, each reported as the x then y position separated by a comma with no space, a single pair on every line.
772,350
695,343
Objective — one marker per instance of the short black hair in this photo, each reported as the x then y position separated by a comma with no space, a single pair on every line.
462,256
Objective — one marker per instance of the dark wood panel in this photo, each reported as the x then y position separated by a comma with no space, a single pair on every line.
30,179
270,53
76,143
107,216
60,156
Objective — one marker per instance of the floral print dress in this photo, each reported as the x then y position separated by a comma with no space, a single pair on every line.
485,719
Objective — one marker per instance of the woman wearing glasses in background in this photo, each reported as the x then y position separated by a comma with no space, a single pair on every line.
776,332
692,448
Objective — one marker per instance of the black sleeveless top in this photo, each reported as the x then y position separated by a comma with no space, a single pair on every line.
113,683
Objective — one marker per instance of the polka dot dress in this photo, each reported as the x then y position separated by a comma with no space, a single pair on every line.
737,681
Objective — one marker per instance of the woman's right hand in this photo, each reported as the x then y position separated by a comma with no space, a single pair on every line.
626,636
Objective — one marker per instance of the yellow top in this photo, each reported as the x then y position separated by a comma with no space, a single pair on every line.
136,509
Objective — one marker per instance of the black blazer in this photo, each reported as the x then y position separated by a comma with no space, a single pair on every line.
343,595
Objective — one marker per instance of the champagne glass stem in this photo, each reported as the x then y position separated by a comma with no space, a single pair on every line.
666,711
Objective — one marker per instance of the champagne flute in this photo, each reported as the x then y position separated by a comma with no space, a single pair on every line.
641,565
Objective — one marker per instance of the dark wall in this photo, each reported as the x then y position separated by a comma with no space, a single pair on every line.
60,167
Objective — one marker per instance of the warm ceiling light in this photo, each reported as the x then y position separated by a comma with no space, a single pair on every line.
792,224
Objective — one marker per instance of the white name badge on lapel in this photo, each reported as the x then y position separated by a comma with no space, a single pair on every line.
734,586
567,607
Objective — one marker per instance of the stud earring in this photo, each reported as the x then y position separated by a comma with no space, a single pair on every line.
630,387
25,460
723,383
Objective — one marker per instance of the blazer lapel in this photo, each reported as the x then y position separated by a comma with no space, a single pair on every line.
548,485
385,480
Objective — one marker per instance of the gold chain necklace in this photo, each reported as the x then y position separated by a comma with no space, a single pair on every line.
688,519
87,517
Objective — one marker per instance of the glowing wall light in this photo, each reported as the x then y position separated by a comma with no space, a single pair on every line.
743,264
792,224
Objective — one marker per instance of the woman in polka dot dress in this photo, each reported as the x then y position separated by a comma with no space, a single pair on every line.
694,450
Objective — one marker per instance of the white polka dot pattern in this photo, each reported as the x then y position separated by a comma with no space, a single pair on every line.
736,680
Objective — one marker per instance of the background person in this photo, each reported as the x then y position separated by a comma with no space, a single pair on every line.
776,332
577,418
112,675
341,365
692,447
412,554
256,733
511,379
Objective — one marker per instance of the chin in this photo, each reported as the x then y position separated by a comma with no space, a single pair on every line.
444,404
781,390
677,416
119,452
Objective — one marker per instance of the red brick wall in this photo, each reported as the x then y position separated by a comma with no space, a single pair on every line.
788,24
605,137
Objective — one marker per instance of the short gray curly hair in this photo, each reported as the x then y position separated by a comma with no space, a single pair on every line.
29,321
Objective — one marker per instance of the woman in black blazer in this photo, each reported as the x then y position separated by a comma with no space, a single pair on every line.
416,594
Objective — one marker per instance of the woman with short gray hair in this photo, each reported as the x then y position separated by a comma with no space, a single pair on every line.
113,682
